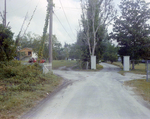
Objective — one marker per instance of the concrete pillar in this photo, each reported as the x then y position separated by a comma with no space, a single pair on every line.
93,62
126,63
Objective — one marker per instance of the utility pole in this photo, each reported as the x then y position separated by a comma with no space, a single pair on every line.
5,15
51,34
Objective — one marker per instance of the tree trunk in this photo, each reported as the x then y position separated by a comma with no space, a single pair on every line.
87,65
133,62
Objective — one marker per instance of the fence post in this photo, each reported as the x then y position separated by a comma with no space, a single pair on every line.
147,72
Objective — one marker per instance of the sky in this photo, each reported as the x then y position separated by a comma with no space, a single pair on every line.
65,22
67,14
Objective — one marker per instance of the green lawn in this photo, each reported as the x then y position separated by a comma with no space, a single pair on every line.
60,63
139,68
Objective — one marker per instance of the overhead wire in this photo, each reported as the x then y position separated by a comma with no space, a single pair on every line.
66,18
21,6
31,18
72,8
62,26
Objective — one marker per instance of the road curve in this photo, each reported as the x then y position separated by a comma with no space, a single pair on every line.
91,95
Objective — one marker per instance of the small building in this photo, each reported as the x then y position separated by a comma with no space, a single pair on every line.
26,54
119,59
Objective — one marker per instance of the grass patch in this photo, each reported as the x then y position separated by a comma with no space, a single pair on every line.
141,87
61,63
119,64
98,68
139,68
21,87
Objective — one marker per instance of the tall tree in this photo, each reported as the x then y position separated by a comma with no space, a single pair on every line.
96,16
131,29
111,52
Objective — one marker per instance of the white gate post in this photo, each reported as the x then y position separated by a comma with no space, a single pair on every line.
126,63
93,62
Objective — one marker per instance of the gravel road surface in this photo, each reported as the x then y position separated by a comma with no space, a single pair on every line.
91,95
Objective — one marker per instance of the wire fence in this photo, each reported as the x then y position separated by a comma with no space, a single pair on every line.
148,70
142,66
141,85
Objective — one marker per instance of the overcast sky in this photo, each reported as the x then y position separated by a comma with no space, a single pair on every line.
64,31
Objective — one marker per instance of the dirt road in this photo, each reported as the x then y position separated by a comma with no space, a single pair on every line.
91,95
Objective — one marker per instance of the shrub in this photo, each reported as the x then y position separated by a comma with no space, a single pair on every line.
7,48
18,77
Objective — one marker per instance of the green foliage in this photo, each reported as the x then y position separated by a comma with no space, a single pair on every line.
28,40
40,52
82,51
75,52
110,53
7,48
22,86
131,29
99,67
91,39
19,77
34,41
96,16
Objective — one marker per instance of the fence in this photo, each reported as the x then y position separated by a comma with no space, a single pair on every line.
141,85
143,67
148,70
46,67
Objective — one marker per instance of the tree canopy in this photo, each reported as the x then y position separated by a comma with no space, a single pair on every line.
96,16
7,47
131,29
111,52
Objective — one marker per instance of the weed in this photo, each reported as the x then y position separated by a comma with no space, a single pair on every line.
21,86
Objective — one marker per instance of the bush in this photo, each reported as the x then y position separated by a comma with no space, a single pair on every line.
7,48
18,77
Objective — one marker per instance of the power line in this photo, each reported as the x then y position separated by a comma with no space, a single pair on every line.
66,17
16,9
68,8
30,20
62,25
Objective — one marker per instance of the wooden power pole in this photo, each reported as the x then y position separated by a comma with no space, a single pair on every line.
5,15
51,34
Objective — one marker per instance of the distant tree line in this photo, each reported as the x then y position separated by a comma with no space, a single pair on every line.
34,41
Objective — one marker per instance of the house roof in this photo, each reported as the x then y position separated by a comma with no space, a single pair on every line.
26,48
